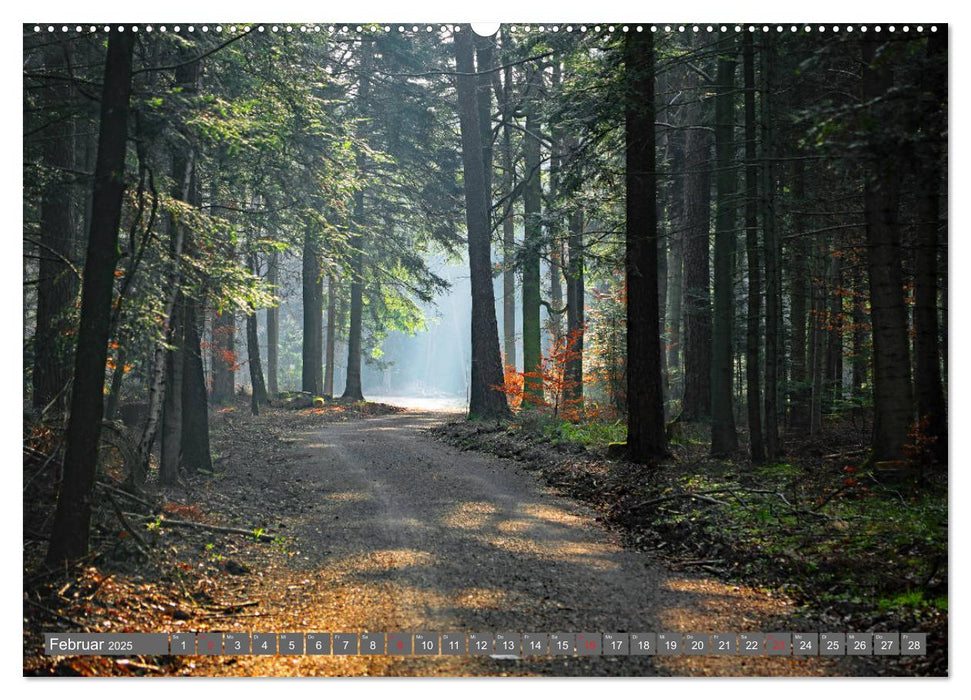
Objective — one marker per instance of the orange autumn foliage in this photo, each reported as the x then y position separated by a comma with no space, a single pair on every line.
557,386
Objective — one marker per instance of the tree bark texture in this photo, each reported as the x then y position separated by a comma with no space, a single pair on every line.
928,345
329,351
72,518
486,400
773,277
57,285
753,380
696,403
532,243
892,392
646,438
312,357
353,389
273,329
724,439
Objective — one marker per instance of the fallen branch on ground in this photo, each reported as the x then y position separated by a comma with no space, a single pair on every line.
165,522
37,455
135,664
706,496
57,615
139,542
696,562
850,453
233,608
214,615
46,572
126,494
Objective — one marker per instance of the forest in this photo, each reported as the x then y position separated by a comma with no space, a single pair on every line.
691,277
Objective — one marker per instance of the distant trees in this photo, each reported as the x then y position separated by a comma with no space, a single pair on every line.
258,395
273,329
331,347
760,342
227,172
57,280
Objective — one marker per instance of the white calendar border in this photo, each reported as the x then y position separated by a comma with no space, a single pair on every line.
829,11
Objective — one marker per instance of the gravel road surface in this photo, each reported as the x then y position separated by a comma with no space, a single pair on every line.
399,532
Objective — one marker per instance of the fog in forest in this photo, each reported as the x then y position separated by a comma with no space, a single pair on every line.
433,364
430,369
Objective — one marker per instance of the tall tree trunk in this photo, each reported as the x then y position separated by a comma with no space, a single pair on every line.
222,358
509,272
223,355
675,194
800,385
773,319
508,226
486,400
575,306
859,364
753,397
157,385
931,407
331,340
352,386
257,381
72,518
484,48
340,344
273,328
255,366
194,433
171,447
117,379
187,77
196,455
312,373
817,321
532,244
834,338
57,285
724,439
892,393
556,291
662,295
696,404
554,227
675,309
646,439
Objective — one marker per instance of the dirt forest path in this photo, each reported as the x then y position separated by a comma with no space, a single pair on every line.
396,531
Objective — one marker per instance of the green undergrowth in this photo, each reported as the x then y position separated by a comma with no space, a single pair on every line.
591,433
847,541
913,600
